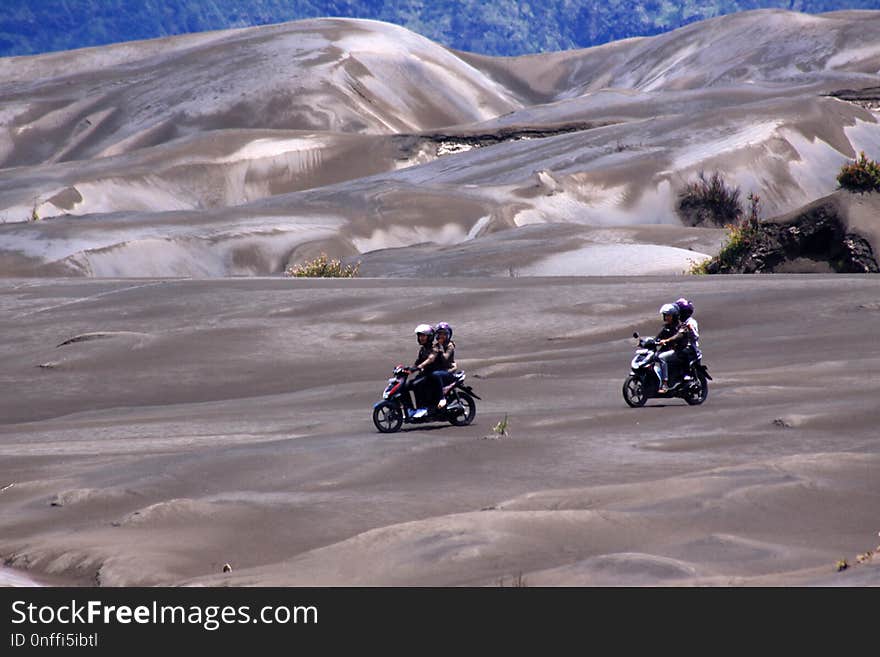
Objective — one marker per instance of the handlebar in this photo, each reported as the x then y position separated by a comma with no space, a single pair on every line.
650,343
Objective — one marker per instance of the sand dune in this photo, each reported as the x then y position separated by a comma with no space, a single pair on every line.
241,152
239,432
692,530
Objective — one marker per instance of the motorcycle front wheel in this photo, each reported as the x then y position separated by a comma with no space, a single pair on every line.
634,392
387,417
698,391
464,412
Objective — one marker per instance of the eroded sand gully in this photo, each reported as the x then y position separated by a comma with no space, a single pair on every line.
228,421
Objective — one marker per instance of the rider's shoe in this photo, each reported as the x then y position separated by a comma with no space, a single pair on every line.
663,389
419,413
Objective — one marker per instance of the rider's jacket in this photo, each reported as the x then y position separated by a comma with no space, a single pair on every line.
424,351
680,337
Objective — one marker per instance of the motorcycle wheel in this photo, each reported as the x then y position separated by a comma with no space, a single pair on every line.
698,391
387,417
466,414
634,392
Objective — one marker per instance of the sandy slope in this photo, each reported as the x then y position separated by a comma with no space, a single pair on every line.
155,430
240,152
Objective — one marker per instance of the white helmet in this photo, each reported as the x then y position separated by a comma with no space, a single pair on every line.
426,329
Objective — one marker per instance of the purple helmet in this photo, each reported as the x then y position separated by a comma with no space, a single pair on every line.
443,326
685,307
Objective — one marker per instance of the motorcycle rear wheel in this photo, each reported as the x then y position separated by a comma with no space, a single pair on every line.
698,391
387,417
634,392
468,412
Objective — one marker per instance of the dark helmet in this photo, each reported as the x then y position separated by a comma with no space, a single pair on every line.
443,326
669,309
685,308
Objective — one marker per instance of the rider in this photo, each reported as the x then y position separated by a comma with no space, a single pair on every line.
686,314
444,360
674,338
418,384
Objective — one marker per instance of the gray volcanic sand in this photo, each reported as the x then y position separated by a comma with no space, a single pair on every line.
157,423
155,430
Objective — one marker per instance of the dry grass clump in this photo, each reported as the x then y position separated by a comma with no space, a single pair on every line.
323,267
500,430
709,201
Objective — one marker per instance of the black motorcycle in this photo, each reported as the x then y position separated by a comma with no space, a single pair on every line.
457,405
688,381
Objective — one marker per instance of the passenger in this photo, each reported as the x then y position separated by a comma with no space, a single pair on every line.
444,361
686,315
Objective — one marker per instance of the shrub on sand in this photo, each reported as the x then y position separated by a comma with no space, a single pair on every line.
862,175
323,267
740,239
709,201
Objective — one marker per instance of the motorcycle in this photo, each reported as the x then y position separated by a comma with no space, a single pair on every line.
688,381
457,405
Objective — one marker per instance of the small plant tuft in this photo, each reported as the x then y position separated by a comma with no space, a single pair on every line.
500,429
700,268
862,175
516,582
323,267
753,218
35,215
709,200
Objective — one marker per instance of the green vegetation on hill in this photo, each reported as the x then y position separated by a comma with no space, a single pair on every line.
862,175
491,27
754,245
